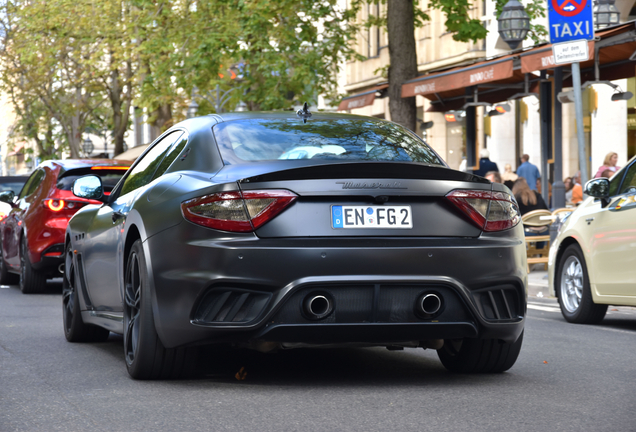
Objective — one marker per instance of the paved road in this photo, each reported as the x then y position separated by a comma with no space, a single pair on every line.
568,378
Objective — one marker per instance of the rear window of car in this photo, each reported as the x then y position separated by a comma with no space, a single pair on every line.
109,178
338,139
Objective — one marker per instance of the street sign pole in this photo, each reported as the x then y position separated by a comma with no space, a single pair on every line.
578,108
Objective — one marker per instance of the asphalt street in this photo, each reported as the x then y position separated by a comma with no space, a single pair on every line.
568,378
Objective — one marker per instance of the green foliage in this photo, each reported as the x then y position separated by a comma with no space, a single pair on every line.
458,20
84,62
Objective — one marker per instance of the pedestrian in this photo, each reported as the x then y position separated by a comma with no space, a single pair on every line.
485,164
527,198
608,164
508,176
577,189
608,173
568,184
529,171
494,176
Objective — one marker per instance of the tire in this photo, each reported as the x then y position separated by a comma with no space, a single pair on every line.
74,328
145,355
479,355
572,286
6,278
31,280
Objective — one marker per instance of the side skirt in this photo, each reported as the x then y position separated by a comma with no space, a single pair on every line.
113,321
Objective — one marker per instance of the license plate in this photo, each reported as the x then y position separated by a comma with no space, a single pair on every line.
371,217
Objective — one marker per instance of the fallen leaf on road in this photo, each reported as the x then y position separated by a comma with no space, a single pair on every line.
545,362
241,374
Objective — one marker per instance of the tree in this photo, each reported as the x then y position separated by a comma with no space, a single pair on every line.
52,55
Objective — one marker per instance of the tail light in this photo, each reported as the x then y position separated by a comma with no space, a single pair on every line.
60,205
237,211
491,211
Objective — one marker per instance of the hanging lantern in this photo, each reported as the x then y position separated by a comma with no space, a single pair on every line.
605,14
514,23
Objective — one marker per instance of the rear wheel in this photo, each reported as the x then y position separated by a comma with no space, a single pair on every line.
573,289
146,357
479,355
74,328
31,280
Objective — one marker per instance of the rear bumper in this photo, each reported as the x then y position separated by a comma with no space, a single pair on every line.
50,260
250,289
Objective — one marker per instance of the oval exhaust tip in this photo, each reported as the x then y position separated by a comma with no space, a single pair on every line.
428,305
317,306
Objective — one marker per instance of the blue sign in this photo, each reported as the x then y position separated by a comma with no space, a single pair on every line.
570,20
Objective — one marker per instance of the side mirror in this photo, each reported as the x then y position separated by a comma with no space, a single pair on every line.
597,188
89,187
7,197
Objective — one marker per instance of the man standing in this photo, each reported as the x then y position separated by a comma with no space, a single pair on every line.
485,164
529,171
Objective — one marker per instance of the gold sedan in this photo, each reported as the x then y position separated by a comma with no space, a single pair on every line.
592,262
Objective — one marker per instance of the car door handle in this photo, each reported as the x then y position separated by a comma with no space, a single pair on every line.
589,220
117,215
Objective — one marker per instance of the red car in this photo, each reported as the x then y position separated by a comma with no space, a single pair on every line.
32,235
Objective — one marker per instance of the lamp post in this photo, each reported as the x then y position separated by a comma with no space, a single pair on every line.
87,146
605,14
513,23
193,108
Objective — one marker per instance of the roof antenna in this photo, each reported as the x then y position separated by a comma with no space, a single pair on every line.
304,113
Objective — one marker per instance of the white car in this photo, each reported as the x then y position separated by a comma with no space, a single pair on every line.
592,262
13,183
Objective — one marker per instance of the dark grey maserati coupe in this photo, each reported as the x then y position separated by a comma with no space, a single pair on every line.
282,230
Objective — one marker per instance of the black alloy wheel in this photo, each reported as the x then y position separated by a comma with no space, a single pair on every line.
31,280
132,301
74,328
145,355
479,355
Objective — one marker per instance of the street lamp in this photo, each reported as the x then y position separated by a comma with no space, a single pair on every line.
193,108
605,14
513,23
88,146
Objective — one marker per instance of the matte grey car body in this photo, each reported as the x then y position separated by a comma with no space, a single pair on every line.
139,266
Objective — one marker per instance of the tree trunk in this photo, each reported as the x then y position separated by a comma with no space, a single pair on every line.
403,60
163,119
120,103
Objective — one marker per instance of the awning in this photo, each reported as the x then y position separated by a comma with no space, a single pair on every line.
361,99
498,79
16,150
459,78
541,58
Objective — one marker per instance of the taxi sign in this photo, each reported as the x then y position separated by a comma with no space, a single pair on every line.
570,20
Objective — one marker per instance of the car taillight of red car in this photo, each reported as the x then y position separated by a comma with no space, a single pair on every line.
60,211
237,211
491,211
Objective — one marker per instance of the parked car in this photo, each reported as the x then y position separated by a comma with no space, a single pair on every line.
32,234
592,260
10,183
283,230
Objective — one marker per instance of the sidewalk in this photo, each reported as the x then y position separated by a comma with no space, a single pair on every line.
538,283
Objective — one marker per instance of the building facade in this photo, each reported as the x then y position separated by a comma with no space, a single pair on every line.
610,126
